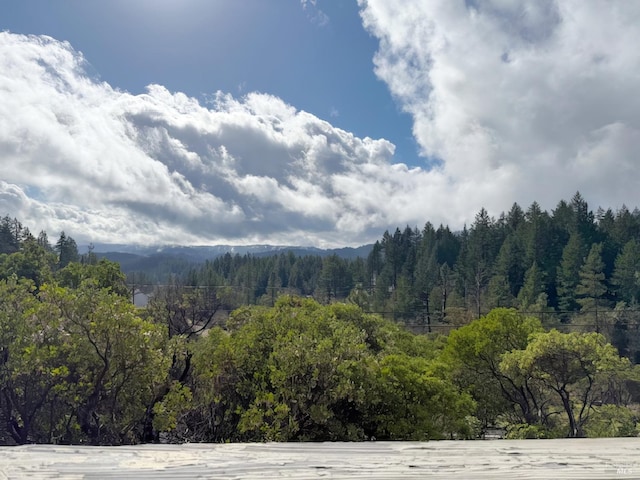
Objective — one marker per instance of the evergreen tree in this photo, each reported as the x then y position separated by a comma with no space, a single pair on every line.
482,249
374,263
304,274
447,246
563,218
335,280
626,271
426,271
460,269
583,219
592,288
568,274
10,235
89,258
43,241
446,283
510,263
610,247
515,218
626,227
534,286
67,250
499,293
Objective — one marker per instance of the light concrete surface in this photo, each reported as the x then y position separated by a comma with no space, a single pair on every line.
617,458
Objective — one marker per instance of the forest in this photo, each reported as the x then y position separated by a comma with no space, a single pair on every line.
528,323
574,269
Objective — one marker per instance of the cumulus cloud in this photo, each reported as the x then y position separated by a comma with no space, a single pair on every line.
79,155
517,100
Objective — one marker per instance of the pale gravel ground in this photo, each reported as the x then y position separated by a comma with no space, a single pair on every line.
617,458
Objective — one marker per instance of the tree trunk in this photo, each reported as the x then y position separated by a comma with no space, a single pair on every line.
573,427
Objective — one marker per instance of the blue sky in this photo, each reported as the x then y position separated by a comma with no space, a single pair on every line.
310,122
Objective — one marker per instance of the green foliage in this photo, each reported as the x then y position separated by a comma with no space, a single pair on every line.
575,368
568,273
474,352
103,274
418,277
592,287
533,287
32,262
335,280
174,404
67,250
12,233
612,421
184,310
627,269
117,361
78,365
303,371
32,364
520,431
522,376
413,403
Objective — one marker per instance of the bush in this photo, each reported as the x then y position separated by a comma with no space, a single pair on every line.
611,421
519,431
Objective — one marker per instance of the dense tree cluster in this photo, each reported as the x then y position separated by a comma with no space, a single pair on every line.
303,371
571,268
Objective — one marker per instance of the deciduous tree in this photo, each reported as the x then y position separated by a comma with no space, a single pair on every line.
576,367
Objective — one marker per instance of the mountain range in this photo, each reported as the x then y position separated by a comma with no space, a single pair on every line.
174,258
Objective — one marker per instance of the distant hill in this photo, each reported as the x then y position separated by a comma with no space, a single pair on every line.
202,253
160,261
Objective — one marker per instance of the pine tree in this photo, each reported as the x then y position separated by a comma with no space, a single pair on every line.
626,227
568,274
482,250
534,286
426,271
10,235
374,263
592,287
43,241
583,219
626,271
447,246
67,250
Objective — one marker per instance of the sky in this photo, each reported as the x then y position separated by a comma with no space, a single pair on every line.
310,122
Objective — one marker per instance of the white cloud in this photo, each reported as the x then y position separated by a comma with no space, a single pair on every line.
107,166
314,14
521,101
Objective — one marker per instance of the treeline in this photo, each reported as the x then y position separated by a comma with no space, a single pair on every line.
16,238
568,260
571,267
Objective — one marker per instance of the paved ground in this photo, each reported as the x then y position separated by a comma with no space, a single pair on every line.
496,459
